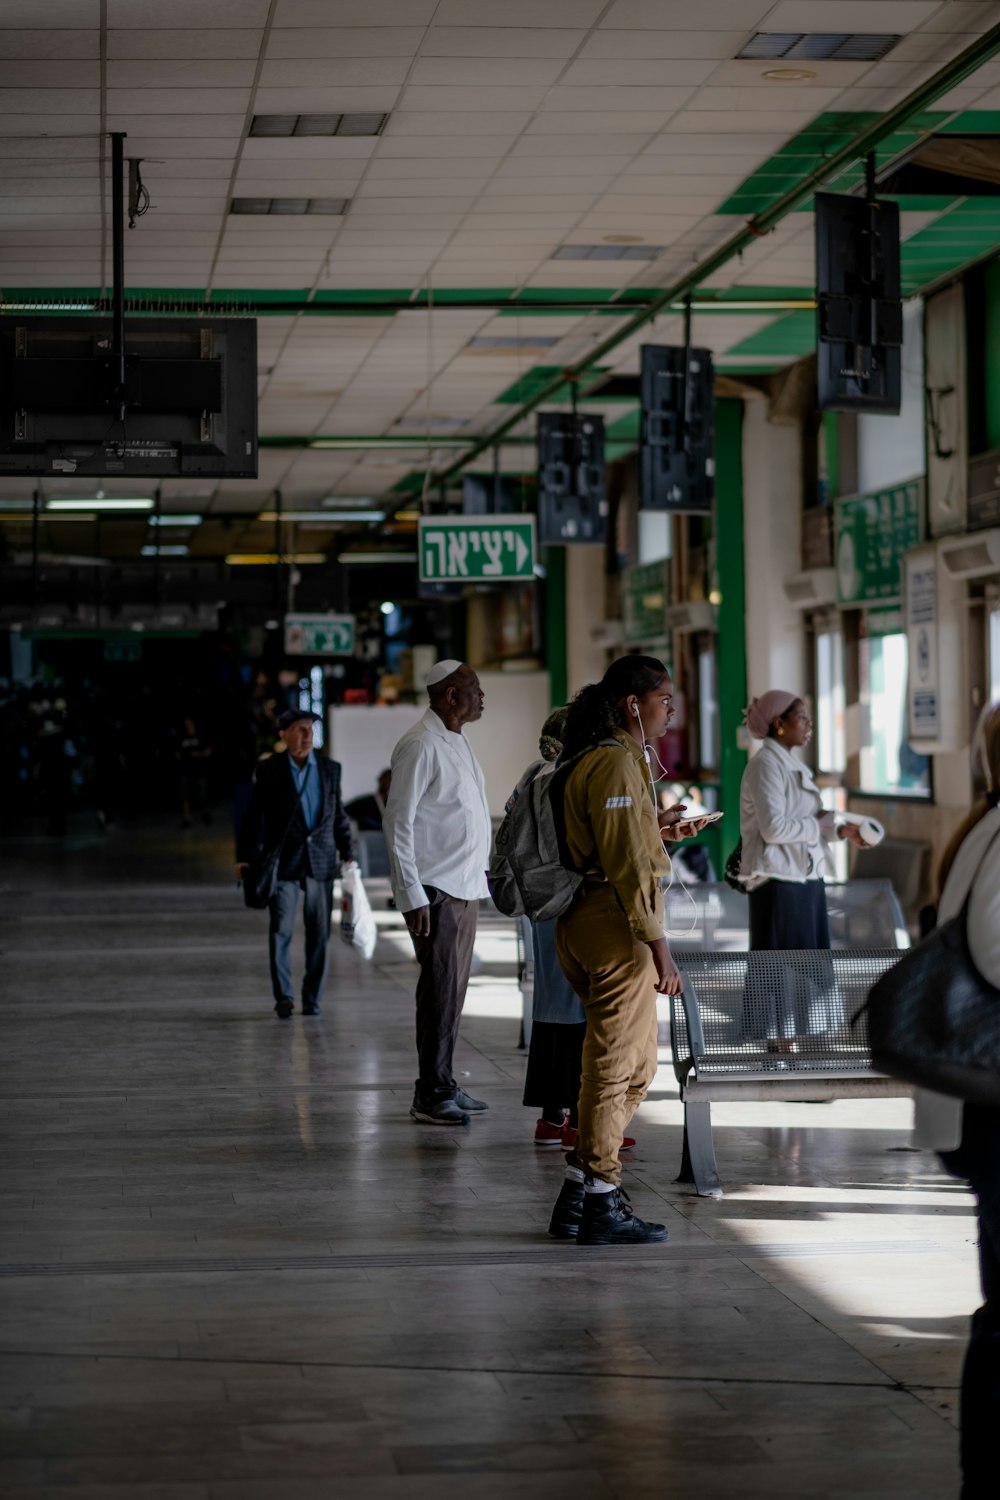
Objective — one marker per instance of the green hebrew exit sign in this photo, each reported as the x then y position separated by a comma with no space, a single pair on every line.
484,549
319,635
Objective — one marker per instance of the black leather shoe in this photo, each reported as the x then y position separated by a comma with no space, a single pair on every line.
607,1219
283,1008
310,1010
565,1221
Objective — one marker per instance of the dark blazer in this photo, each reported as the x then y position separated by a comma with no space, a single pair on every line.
271,805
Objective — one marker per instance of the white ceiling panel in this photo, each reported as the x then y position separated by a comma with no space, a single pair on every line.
654,72
507,123
344,41
414,147
186,73
330,73
372,99
500,41
750,121
680,15
460,97
354,13
310,148
526,13
776,97
188,14
703,45
39,44
747,73
201,43
587,144
393,169
175,101
51,74
464,72
53,15
610,98
852,15
174,133
56,101
612,122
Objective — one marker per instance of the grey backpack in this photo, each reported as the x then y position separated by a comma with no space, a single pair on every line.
528,874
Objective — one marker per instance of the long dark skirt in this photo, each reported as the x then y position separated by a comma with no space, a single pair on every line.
780,1003
555,1062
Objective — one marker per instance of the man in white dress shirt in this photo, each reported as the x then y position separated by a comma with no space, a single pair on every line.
437,825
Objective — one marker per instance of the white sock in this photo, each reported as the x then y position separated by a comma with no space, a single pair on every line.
573,1174
598,1185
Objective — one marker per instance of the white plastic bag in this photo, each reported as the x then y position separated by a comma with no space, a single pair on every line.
357,925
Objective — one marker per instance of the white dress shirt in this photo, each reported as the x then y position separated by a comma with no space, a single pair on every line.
975,870
785,834
437,821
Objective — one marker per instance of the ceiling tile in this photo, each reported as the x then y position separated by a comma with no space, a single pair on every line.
503,71
332,73
180,73
29,74
344,41
354,13
455,122
176,101
613,122
526,13
704,45
602,100
185,13
53,15
750,121
203,43
372,99
472,98
57,101
500,41
885,16
351,150
155,133
958,16
651,72
680,15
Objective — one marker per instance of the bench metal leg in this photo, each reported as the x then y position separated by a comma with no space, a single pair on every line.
698,1163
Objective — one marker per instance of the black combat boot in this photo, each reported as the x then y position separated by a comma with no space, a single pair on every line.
607,1219
565,1220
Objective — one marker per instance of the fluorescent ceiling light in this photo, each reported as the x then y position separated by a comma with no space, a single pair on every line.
770,304
290,206
25,505
375,558
174,550
840,46
47,306
327,517
175,520
268,559
100,504
284,126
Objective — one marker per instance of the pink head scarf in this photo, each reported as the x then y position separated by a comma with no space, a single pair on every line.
764,710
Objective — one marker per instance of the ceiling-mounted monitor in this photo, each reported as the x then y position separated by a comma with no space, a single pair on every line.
190,397
572,501
859,314
677,438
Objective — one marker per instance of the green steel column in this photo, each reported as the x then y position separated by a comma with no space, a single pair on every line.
554,562
732,611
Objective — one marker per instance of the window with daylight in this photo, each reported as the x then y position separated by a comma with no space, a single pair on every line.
831,749
888,766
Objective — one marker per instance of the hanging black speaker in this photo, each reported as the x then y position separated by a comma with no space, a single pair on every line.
572,502
859,314
677,435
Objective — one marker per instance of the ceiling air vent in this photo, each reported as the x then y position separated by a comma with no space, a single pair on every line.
290,206
283,126
840,46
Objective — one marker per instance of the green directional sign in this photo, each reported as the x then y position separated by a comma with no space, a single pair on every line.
645,595
873,532
319,635
479,549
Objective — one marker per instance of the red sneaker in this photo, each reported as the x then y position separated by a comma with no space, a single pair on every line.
548,1135
569,1139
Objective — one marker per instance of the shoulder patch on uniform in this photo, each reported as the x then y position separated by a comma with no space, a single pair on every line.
618,802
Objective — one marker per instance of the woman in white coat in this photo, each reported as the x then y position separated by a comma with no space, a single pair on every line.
785,835
968,1136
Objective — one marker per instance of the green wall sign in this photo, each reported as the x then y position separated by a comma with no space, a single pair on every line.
477,549
873,532
645,596
319,635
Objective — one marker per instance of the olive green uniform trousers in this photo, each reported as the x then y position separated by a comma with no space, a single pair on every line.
613,973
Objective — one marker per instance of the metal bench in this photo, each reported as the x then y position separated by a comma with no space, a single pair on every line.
769,1025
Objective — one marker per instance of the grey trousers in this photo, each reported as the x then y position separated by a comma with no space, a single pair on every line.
445,960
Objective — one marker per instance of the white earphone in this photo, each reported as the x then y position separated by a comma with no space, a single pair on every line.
635,711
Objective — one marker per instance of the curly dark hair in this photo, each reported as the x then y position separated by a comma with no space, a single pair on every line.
593,713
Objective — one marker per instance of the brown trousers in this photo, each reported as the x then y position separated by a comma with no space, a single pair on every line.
445,960
613,973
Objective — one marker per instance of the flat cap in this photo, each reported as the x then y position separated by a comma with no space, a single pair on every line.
293,715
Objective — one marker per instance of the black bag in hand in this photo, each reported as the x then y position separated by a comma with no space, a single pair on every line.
933,1020
261,878
731,870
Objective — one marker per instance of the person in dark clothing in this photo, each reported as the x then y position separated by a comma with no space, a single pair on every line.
296,797
368,811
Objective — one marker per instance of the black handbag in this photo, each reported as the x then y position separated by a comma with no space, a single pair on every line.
933,1020
260,880
731,869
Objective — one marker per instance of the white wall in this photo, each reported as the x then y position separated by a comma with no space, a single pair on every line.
772,541
891,449
506,738
362,736
586,659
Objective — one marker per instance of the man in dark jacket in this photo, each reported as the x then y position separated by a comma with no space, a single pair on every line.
298,792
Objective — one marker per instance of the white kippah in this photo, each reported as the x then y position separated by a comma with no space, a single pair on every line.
440,671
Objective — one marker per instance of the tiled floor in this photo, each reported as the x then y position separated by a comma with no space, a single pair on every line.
233,1269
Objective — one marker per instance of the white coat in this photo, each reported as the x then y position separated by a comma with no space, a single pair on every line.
437,820
780,820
